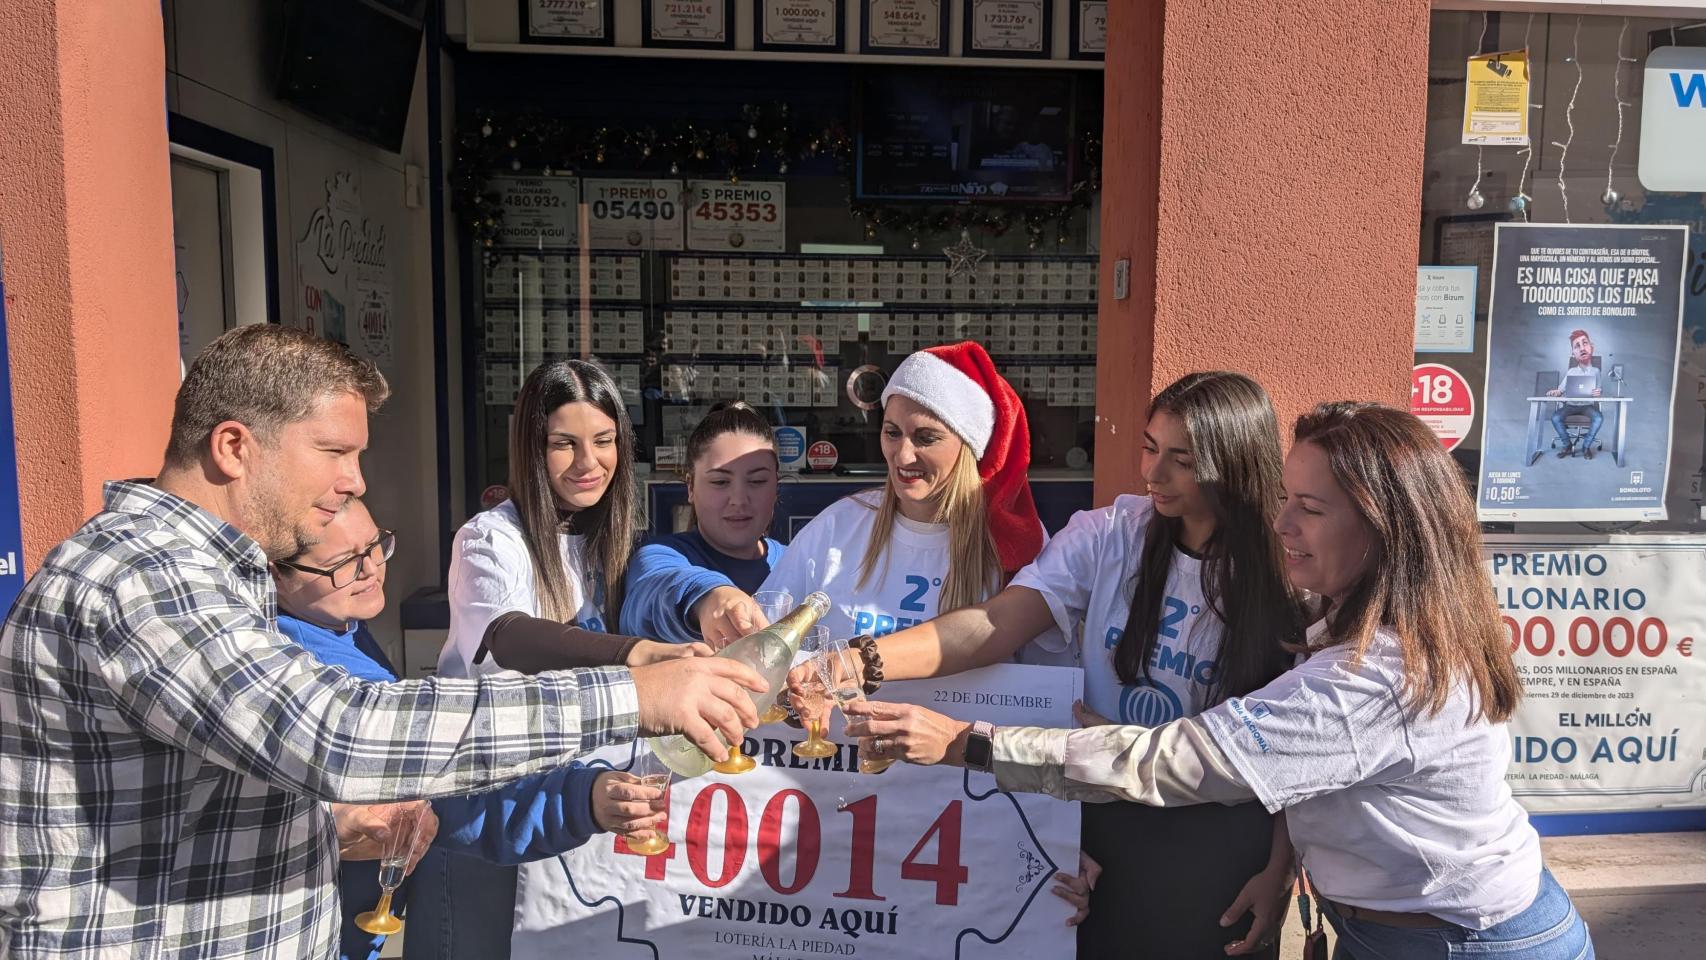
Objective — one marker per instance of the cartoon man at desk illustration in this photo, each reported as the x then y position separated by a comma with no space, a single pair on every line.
1579,386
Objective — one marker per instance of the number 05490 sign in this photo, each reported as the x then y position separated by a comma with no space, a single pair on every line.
737,216
803,858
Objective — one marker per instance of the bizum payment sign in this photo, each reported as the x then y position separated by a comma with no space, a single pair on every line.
1673,121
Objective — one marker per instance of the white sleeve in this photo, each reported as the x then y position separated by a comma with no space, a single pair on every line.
800,571
1316,729
490,574
1069,566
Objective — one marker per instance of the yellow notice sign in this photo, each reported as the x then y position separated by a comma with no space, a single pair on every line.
1495,103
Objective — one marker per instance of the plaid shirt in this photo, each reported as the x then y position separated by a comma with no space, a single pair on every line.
165,753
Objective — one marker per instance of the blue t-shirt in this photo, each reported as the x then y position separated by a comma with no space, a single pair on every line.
535,817
669,574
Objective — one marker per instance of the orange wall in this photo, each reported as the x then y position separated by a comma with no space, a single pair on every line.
1285,173
86,224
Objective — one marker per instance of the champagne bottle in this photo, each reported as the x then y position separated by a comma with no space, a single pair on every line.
771,653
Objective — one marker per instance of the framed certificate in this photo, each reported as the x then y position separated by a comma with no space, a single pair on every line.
1089,36
1009,29
694,24
586,22
912,27
809,26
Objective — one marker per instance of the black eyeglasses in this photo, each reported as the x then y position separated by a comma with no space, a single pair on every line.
346,573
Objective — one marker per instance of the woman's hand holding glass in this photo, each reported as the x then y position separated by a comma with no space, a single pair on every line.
402,847
904,731
623,803
647,834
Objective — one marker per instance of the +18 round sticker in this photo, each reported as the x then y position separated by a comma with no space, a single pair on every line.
1440,398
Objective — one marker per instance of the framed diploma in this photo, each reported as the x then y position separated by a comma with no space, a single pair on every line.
1089,36
913,27
1009,29
694,24
587,22
810,26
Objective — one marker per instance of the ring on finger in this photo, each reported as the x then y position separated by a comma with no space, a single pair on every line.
880,745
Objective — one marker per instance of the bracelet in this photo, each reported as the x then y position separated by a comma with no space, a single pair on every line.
867,647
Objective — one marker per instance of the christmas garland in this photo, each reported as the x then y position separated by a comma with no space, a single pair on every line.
765,141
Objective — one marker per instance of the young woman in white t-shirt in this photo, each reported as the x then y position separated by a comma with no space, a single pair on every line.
535,582
1177,601
1387,748
954,516
557,549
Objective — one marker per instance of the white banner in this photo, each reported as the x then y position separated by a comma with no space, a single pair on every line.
811,858
633,214
1604,635
737,216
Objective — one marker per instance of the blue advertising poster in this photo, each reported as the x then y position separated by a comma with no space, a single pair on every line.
1583,330
11,534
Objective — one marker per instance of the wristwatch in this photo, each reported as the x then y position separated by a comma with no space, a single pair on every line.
980,746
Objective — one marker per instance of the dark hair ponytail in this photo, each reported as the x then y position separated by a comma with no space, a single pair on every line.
728,416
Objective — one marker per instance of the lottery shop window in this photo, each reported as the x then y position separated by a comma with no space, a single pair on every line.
1584,166
726,251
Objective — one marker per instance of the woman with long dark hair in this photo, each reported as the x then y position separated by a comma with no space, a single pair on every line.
535,584
1387,747
558,548
1180,603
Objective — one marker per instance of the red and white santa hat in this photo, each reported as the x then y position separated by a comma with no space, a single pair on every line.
958,384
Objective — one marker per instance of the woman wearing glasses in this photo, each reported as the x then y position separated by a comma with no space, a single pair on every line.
326,595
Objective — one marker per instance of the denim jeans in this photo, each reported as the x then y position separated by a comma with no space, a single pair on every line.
1550,929
465,910
1595,419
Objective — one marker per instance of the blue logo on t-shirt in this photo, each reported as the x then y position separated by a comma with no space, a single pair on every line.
1149,704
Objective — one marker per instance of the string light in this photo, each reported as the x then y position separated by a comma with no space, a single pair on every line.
1570,118
1476,200
1609,197
1522,202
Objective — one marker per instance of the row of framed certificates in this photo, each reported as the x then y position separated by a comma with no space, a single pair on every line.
992,28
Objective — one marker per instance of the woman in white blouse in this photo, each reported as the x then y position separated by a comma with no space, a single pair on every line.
1387,747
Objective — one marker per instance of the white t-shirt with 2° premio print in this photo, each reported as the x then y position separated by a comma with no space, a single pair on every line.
491,573
903,590
1389,808
1086,573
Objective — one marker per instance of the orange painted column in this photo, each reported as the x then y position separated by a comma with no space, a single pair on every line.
1262,170
86,228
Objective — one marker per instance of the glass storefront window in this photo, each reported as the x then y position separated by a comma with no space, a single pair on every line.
722,253
1582,169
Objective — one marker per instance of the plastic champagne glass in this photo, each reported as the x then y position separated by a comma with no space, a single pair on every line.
812,701
652,773
844,677
393,864
774,604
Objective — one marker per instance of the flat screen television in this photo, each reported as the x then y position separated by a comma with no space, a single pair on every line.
352,64
964,134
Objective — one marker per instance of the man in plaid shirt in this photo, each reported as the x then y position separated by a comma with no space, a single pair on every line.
166,757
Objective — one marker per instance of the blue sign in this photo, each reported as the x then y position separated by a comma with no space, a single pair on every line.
790,447
11,533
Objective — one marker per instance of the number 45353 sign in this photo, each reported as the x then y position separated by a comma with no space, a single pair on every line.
737,216
802,859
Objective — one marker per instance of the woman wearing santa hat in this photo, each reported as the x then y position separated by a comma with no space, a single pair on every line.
954,518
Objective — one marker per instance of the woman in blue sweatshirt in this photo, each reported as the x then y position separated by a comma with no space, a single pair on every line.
698,584
325,594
